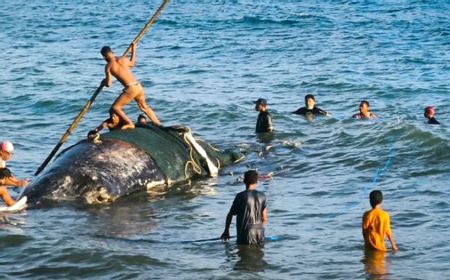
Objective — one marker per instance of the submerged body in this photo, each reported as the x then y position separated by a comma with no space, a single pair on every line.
122,163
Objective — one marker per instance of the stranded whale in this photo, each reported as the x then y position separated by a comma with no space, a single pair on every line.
124,162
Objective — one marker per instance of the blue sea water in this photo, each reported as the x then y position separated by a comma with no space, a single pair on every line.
202,64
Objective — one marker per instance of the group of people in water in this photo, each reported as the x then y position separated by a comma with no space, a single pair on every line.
250,205
264,122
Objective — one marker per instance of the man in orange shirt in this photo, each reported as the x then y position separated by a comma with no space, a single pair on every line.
376,224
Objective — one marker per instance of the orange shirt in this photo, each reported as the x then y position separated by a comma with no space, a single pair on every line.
375,226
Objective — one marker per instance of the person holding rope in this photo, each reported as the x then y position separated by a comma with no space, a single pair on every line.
119,67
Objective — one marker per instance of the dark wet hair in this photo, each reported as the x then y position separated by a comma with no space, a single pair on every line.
5,173
251,177
105,50
365,102
376,197
308,96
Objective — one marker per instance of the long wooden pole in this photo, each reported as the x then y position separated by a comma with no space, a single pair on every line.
98,90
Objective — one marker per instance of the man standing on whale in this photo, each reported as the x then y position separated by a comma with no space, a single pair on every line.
119,67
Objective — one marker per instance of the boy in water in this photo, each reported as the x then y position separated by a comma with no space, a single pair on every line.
6,178
251,210
119,67
264,122
376,225
364,112
310,107
429,114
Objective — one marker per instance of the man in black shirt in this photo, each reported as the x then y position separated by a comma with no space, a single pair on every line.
310,107
429,114
264,122
251,210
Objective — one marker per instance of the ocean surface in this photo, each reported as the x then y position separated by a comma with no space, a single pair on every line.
202,64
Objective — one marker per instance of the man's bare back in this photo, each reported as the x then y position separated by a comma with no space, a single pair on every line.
119,67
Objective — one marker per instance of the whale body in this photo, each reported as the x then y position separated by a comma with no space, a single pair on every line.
121,163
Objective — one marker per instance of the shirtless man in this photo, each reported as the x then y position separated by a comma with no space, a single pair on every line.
119,67
364,112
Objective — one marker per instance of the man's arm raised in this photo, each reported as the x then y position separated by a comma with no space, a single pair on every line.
133,55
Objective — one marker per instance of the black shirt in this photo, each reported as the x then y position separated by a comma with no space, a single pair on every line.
248,207
433,121
314,111
264,122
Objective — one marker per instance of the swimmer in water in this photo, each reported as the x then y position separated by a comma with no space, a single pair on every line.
264,122
364,112
310,108
429,114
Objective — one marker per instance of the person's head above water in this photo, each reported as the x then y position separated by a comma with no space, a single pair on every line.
364,106
142,119
250,178
106,51
260,104
376,198
310,101
429,112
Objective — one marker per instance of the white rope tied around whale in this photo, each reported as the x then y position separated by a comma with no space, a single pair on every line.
193,145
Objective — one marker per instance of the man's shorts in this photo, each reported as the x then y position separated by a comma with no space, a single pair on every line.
254,235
